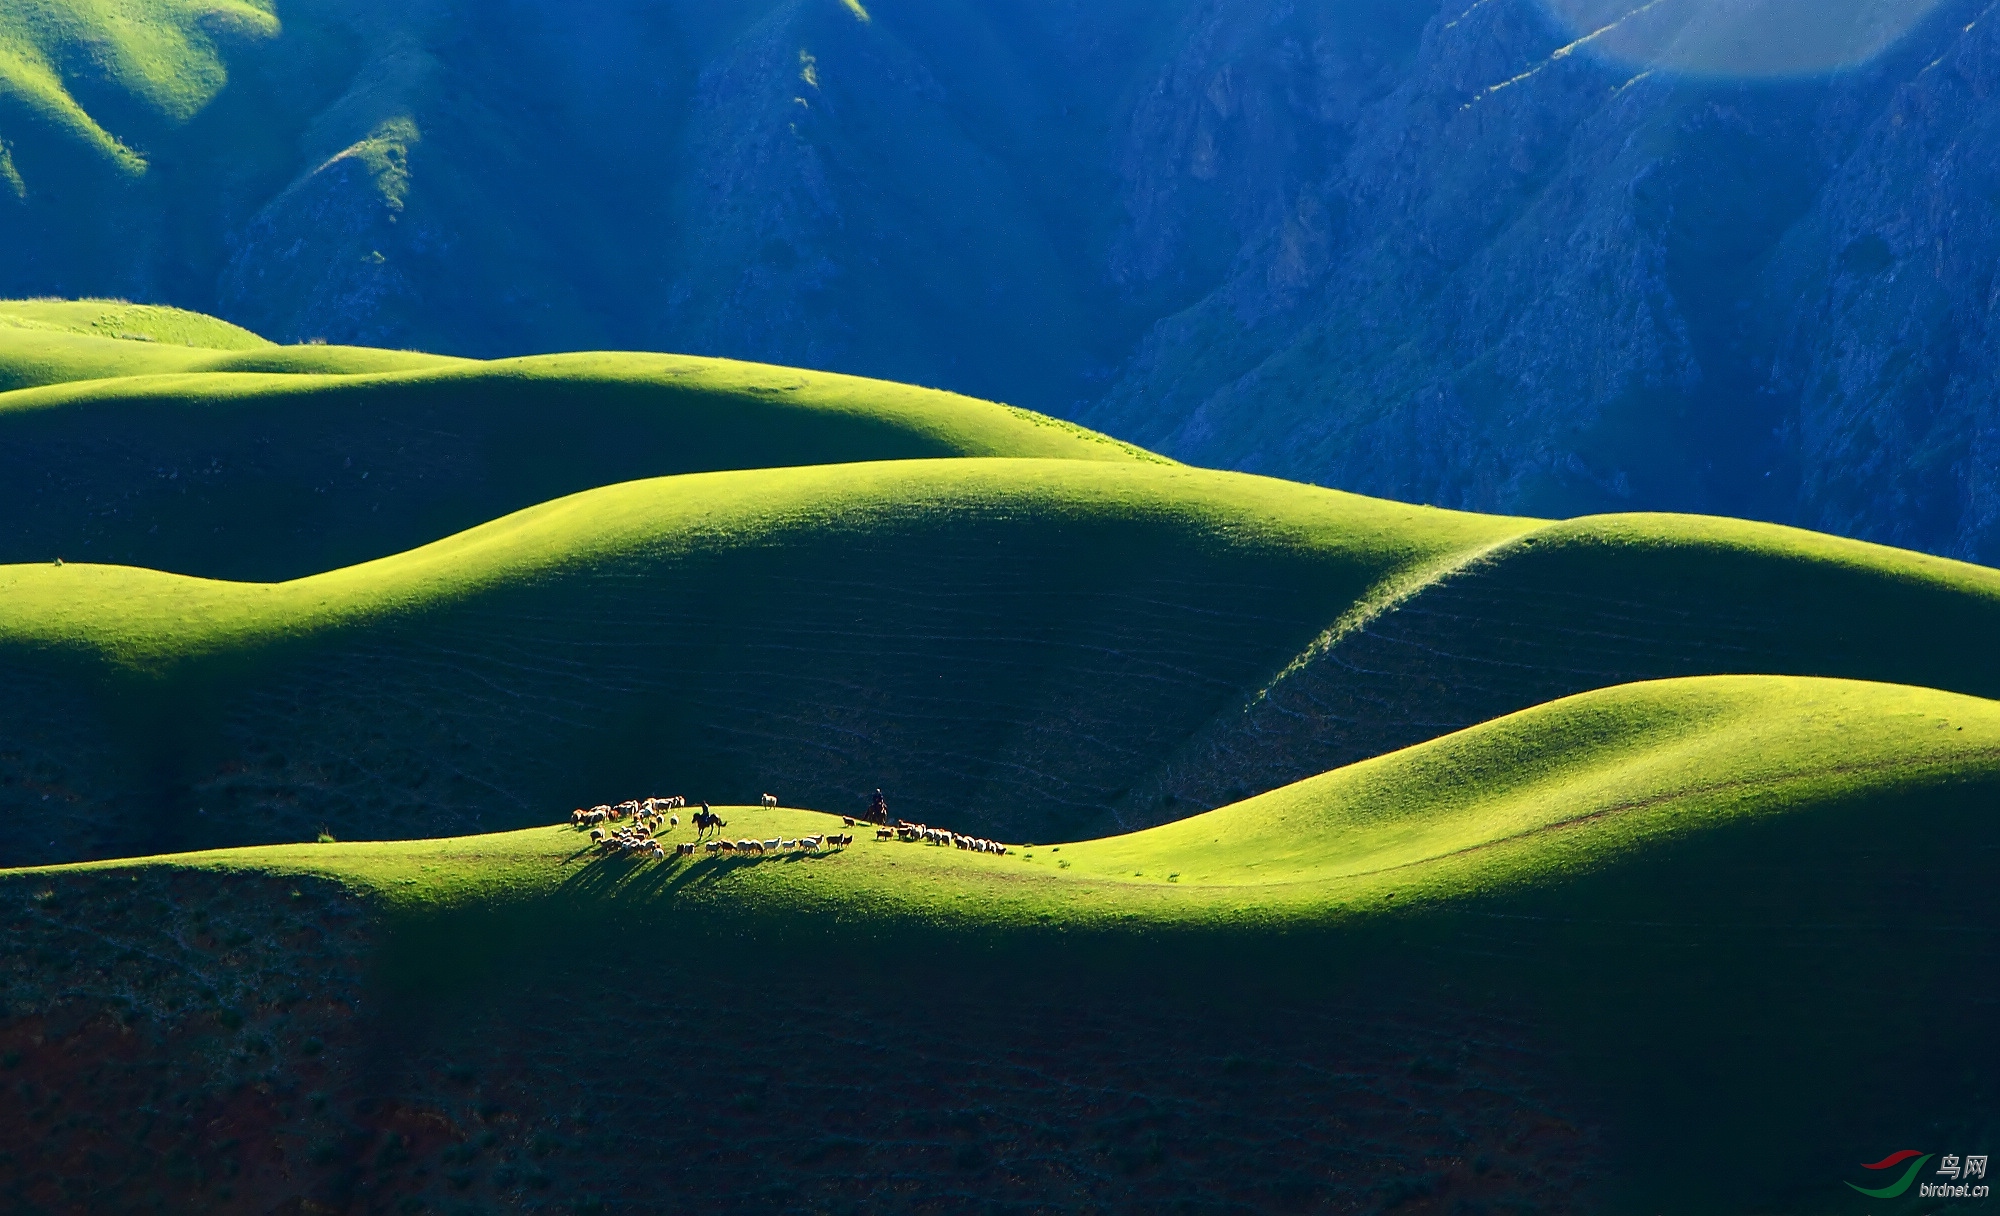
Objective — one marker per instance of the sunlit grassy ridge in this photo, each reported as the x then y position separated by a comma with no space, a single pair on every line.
24,323
161,53
1534,799
32,356
272,471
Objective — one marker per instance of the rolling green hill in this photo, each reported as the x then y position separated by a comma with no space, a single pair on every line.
1532,800
264,476
1585,604
1724,870
122,320
1021,638
1041,644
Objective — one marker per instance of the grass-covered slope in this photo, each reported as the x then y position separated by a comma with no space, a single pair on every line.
1659,911
1584,604
1018,640
120,320
277,475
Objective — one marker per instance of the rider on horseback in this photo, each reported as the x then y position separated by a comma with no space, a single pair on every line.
704,819
878,809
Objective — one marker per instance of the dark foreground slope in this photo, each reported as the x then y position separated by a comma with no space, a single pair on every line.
1699,914
303,459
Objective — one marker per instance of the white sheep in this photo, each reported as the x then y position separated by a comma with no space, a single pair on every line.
771,802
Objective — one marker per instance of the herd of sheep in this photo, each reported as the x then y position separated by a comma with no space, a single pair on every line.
912,832
647,816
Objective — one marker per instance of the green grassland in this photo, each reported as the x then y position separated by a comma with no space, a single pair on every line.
277,462
1366,856
1724,870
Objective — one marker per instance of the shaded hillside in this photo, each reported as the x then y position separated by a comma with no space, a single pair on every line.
1391,1014
282,470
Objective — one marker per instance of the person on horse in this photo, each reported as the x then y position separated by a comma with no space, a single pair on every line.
878,809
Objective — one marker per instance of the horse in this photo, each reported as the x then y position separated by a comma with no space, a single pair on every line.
706,820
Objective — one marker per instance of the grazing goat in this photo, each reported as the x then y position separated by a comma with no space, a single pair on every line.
685,848
597,835
673,821
771,802
847,821
885,833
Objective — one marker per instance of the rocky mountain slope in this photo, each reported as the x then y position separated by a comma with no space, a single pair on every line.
1545,256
